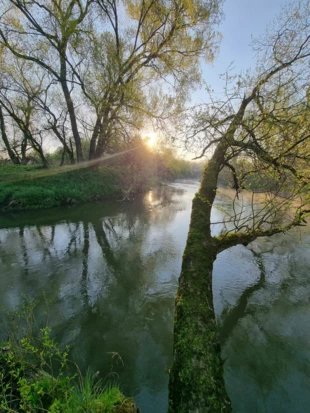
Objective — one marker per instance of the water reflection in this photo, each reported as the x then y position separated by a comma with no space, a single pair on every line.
263,312
110,270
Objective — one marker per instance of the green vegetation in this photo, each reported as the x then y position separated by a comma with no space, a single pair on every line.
32,187
170,167
24,187
36,375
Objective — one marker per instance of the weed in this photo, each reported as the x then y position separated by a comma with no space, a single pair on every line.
35,374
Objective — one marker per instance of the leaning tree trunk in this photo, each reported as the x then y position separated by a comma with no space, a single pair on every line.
196,377
38,148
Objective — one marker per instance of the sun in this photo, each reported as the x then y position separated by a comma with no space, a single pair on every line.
151,139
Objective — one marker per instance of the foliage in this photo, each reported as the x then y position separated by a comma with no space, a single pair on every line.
31,187
35,374
170,167
121,63
145,166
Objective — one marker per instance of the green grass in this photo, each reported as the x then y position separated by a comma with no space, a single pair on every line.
30,187
36,375
89,396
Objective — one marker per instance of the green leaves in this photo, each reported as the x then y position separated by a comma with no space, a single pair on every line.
36,375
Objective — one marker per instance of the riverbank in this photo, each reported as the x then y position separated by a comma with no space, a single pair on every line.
30,187
116,176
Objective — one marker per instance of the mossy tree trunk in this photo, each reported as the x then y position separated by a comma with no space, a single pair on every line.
196,378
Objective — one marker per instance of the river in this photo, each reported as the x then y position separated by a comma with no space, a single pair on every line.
110,269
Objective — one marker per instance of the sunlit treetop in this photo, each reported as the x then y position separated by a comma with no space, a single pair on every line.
118,61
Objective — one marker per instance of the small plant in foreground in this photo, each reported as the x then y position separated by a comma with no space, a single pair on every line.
35,375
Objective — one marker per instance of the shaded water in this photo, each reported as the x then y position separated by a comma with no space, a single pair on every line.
110,270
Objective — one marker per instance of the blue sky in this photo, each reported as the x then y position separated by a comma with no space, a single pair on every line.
243,19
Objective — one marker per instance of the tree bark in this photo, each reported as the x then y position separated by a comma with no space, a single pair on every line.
70,107
15,160
103,135
93,140
196,378
23,150
100,148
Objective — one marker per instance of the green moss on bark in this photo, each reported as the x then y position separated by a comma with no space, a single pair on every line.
196,378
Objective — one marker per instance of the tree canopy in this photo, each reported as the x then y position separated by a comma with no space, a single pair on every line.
105,66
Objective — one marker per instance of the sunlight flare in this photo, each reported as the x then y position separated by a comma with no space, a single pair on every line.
151,139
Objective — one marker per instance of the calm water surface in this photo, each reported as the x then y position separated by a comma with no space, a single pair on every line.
110,270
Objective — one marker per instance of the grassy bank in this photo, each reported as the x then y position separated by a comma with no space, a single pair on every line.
123,174
30,187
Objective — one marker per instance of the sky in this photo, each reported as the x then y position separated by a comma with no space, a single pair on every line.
242,20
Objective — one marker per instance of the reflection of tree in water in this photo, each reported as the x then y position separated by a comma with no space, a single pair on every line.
258,340
231,316
112,281
24,252
83,287
139,322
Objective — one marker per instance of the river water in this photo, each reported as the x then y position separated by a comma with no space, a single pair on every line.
110,270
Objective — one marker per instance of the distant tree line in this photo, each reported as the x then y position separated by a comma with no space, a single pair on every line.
144,166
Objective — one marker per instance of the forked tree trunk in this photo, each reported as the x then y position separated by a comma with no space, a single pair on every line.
75,132
93,140
70,106
103,135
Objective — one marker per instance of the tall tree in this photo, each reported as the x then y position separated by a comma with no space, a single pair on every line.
269,128
12,154
145,42
21,84
41,32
